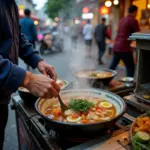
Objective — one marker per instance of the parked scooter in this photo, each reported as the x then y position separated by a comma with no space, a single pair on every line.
52,43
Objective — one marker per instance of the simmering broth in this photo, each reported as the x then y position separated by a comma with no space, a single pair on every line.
82,110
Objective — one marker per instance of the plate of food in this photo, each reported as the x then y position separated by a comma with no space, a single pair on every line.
140,132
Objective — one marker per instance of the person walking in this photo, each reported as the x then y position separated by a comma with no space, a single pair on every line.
13,45
74,33
28,28
100,37
122,49
88,36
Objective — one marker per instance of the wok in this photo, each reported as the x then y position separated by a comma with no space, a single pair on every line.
79,130
92,80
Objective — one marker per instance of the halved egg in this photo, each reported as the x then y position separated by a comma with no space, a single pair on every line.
71,119
106,104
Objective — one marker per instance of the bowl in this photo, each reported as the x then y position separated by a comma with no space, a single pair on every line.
78,130
26,96
95,80
127,79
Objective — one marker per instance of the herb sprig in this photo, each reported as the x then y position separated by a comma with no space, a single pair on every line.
80,105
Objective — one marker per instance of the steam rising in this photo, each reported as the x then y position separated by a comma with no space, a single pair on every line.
79,61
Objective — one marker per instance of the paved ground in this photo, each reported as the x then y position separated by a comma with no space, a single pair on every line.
64,63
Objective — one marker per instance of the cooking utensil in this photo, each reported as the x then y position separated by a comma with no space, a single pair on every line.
92,80
79,130
62,105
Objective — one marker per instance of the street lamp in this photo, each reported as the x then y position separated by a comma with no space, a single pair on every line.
108,3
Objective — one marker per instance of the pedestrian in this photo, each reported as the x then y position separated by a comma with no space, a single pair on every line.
122,49
13,45
88,36
28,28
100,37
74,33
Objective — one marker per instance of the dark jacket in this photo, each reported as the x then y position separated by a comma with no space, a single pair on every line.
127,26
100,32
12,45
28,28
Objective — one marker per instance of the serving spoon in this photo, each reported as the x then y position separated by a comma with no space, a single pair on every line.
62,105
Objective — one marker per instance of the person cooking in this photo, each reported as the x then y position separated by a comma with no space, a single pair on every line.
13,45
122,49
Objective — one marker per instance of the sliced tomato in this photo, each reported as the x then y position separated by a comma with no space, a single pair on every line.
75,115
84,121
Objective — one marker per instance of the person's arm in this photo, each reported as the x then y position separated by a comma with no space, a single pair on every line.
11,76
32,58
27,52
136,27
84,30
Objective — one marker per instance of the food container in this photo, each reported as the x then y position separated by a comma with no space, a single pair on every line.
26,96
79,130
142,138
94,80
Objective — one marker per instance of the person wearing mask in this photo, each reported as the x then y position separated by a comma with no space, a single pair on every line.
13,45
100,37
88,36
122,49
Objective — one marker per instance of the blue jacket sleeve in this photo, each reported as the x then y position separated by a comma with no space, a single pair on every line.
11,76
27,52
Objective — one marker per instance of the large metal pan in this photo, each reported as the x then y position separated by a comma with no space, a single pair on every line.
92,80
79,130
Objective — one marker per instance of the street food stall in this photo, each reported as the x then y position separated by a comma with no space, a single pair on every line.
39,131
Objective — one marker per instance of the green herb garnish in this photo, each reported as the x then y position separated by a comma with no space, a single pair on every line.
93,75
80,105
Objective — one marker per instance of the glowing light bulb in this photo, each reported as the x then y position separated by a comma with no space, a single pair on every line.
108,3
116,2
36,22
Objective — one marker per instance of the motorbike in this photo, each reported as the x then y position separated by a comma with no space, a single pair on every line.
51,42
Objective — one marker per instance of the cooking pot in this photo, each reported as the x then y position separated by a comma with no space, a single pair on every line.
79,130
92,80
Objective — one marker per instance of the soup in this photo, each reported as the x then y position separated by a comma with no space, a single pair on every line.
94,74
82,110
